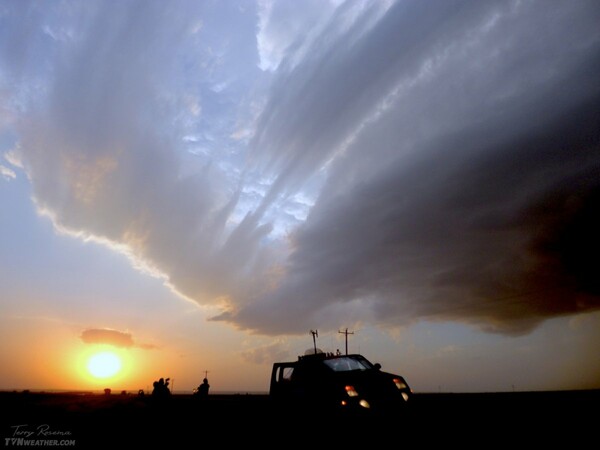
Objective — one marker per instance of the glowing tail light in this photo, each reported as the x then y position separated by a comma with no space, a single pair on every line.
399,383
351,391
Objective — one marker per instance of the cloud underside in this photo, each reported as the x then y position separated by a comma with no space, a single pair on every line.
451,150
488,238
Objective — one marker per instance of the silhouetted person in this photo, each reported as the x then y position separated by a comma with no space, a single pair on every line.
161,388
203,388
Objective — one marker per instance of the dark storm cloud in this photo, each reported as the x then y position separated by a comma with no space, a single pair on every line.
463,150
447,153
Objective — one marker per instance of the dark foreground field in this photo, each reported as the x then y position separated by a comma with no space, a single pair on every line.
129,421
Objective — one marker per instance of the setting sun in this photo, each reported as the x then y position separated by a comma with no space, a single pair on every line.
104,364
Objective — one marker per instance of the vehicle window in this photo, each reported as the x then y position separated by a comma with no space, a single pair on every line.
365,362
346,364
286,373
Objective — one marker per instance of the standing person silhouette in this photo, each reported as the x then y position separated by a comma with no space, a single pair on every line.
203,388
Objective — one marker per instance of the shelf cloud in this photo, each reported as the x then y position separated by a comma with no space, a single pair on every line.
400,161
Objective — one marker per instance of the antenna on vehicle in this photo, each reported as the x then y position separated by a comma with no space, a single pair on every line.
346,333
315,334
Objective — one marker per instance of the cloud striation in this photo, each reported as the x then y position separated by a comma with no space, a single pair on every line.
447,154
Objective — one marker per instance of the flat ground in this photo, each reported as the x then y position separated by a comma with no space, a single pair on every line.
184,421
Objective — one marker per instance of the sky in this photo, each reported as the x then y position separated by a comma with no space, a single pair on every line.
196,186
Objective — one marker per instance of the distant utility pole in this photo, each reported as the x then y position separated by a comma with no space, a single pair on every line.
315,334
346,333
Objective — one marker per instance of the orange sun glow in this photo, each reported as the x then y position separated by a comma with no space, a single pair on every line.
104,364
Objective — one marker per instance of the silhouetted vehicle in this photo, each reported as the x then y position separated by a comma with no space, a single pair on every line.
345,384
